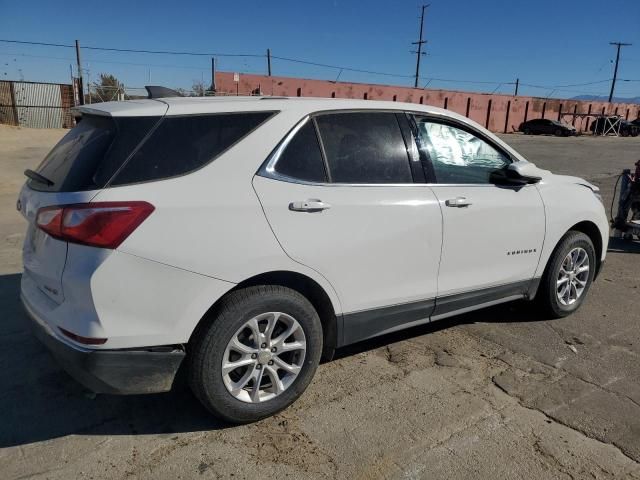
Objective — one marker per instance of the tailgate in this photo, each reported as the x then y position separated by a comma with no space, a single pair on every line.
43,256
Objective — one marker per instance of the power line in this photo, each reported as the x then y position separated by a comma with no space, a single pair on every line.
65,59
286,59
38,43
336,67
569,85
132,50
298,61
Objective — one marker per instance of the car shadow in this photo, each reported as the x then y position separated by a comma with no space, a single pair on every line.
618,245
40,401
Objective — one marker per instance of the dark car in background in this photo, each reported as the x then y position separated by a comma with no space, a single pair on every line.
544,126
610,126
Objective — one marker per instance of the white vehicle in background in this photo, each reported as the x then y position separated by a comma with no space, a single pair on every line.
249,237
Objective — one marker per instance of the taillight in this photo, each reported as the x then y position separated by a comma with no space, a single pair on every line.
100,224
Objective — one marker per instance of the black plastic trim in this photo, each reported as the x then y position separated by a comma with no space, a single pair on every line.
117,372
365,324
461,301
359,326
417,171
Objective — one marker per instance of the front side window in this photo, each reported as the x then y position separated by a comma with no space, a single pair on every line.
456,155
364,147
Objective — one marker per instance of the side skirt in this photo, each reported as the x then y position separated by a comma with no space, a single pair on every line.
358,326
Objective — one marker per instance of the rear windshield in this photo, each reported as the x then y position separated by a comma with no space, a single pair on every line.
92,151
139,149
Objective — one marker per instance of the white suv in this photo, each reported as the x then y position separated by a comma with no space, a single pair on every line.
246,238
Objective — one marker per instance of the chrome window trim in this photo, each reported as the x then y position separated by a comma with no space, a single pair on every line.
268,169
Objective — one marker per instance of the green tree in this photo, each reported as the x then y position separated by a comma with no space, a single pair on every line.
107,89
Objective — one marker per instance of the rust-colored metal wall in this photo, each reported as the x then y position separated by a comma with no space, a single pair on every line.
499,113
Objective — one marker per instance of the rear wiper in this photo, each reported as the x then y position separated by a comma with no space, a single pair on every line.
38,178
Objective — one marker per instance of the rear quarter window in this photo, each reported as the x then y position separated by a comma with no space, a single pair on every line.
302,158
182,144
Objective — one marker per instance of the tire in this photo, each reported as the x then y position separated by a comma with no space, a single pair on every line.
526,131
211,346
548,290
558,133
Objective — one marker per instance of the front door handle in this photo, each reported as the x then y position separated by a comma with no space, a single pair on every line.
458,202
310,205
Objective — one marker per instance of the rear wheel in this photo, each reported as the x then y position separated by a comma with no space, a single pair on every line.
568,275
527,131
558,132
257,355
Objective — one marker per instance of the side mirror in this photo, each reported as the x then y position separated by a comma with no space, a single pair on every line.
517,173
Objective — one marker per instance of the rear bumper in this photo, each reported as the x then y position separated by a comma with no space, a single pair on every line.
121,372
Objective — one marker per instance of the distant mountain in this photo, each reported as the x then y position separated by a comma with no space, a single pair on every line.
596,98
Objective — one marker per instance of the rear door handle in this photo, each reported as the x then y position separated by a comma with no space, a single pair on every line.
310,205
458,202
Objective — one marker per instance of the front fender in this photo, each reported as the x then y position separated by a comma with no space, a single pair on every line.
566,205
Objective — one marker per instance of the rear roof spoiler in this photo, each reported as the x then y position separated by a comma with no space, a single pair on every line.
156,91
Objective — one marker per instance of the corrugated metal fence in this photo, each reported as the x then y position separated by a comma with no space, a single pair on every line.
36,105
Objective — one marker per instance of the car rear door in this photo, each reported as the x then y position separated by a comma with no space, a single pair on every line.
340,196
492,234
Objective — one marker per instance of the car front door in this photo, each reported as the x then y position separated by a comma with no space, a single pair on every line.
340,196
492,234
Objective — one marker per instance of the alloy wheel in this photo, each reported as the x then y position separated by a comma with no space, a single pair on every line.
573,276
264,357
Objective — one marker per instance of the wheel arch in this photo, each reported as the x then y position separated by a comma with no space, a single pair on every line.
592,231
301,283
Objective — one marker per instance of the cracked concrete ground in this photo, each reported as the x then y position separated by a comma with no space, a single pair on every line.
499,393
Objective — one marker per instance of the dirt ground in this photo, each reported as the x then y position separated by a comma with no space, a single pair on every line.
499,393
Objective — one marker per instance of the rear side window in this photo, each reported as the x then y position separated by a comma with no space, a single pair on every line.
182,144
302,158
91,152
364,147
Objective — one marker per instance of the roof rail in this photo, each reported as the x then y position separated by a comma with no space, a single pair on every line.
156,91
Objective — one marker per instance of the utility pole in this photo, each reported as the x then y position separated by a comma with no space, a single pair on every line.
517,84
80,82
269,61
213,75
615,70
419,43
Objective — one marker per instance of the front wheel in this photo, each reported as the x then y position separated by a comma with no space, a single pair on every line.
257,355
568,275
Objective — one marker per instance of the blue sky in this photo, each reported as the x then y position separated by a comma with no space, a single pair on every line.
544,43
